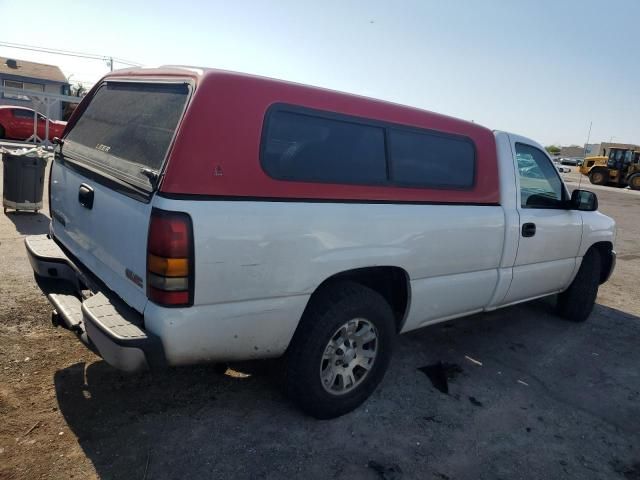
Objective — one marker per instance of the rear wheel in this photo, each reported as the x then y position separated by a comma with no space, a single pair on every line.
340,351
634,182
576,303
598,177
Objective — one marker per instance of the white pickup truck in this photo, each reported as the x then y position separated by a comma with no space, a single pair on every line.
200,216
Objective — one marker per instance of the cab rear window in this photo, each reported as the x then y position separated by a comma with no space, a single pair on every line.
127,128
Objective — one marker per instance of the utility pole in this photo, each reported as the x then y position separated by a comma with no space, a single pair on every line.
588,138
584,154
110,62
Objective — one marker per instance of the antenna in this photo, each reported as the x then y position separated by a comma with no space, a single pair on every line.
584,154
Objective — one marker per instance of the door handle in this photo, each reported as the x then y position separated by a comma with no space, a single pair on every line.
85,196
528,229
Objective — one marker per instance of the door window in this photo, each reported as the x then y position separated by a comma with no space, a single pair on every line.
540,184
23,113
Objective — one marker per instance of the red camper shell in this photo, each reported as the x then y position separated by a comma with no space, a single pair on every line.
233,143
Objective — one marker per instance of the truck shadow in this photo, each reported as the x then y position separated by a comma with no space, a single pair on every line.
198,422
29,223
119,417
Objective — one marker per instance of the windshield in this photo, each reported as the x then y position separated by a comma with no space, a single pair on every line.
128,127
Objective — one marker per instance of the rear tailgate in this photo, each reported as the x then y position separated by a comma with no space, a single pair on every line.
103,180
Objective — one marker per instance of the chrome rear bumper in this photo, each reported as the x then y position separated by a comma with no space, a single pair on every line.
100,319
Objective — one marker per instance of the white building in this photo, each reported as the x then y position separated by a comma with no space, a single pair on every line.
31,76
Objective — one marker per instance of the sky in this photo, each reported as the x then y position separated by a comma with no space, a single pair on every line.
542,68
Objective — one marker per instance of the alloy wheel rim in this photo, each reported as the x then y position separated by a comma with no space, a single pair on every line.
349,356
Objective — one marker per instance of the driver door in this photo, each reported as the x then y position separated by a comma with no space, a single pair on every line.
22,127
550,234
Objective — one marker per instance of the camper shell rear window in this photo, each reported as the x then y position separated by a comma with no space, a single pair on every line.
127,128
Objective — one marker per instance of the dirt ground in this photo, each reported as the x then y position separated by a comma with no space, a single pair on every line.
529,396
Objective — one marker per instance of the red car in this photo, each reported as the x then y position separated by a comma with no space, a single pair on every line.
16,123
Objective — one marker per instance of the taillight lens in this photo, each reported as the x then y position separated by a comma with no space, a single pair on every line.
49,186
170,274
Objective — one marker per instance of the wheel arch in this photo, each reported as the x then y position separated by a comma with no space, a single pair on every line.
607,258
392,282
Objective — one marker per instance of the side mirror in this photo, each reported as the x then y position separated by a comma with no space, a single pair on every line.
584,200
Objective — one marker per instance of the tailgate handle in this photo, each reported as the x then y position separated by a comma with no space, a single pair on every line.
85,196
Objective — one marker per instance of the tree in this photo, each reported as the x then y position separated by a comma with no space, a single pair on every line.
552,149
78,90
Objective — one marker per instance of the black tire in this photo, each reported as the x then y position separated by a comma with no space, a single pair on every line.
576,303
327,311
598,177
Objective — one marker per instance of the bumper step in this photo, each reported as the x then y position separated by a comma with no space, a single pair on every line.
49,261
116,319
108,327
100,319
41,246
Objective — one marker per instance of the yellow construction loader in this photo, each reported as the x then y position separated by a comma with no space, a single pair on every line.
620,168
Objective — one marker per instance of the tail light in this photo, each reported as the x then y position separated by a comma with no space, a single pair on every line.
49,187
170,270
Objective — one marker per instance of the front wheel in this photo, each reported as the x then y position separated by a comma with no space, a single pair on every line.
576,303
340,351
598,177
